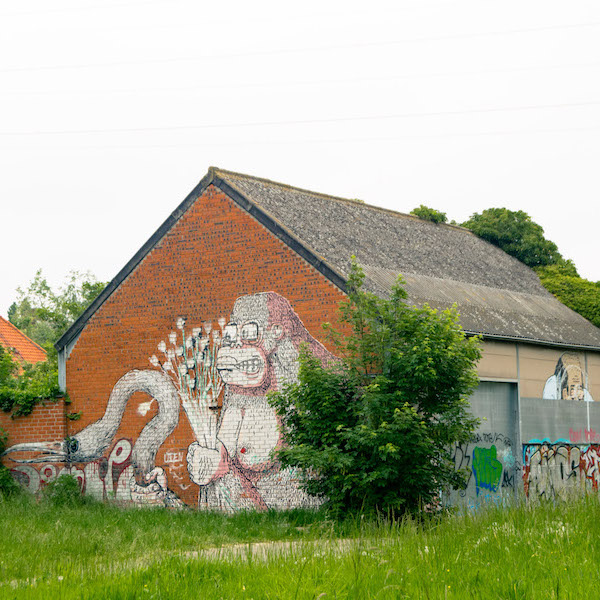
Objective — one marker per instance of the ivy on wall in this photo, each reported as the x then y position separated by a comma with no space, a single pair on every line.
21,391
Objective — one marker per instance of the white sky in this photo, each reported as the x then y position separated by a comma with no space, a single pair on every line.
112,112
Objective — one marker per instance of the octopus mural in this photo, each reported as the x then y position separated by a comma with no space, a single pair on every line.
221,377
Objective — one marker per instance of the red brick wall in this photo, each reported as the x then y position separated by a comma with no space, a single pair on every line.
45,423
213,255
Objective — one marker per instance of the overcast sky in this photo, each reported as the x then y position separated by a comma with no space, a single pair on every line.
112,112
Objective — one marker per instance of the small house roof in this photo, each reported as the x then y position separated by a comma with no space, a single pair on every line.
496,295
23,348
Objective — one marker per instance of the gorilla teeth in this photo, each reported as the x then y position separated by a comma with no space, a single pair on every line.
252,365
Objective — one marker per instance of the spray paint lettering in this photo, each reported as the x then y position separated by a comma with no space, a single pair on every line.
486,468
490,465
556,470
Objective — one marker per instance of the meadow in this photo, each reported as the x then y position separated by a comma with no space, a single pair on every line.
104,551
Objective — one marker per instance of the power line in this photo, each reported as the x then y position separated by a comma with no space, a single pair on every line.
298,50
306,82
411,137
304,121
80,8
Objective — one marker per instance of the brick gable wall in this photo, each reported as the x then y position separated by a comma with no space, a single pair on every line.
215,254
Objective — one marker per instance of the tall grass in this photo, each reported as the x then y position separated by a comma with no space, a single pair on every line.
520,552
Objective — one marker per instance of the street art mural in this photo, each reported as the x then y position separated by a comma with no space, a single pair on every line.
569,381
557,470
221,377
491,467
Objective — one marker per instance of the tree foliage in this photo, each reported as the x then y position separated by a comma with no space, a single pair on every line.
375,430
578,294
44,314
429,214
22,386
516,234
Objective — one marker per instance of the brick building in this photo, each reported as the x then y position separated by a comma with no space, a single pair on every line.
171,364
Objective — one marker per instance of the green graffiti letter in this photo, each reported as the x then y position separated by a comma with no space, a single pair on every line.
486,468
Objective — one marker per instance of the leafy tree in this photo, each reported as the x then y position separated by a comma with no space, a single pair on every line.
429,214
44,314
578,294
8,368
375,430
516,234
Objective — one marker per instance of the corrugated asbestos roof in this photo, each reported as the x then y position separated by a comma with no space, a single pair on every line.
496,295
23,348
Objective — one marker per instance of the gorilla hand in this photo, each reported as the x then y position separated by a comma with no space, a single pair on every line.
204,463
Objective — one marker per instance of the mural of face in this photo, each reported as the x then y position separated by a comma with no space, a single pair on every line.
568,381
571,377
248,340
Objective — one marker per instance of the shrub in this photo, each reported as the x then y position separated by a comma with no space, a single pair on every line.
8,486
375,430
429,214
64,491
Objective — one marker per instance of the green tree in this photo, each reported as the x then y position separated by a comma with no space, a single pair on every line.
516,234
375,430
429,214
8,368
578,294
44,314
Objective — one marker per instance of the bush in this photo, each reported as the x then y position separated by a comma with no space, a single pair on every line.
429,214
375,431
64,491
8,486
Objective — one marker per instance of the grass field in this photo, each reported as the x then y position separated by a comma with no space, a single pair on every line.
100,551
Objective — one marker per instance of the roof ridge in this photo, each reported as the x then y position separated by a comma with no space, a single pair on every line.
396,213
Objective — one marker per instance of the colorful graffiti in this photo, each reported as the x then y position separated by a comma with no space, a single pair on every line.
556,470
569,381
486,468
490,463
221,377
111,478
90,444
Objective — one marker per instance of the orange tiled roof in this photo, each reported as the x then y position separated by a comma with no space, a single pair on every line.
23,348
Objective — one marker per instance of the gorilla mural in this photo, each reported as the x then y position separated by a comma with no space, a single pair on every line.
241,361
258,353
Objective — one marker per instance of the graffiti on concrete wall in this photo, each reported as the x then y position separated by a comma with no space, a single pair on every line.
221,376
490,464
556,470
569,381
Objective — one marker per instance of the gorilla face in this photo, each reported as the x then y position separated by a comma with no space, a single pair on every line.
241,359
